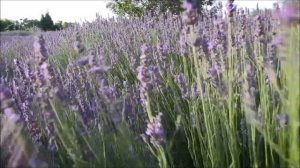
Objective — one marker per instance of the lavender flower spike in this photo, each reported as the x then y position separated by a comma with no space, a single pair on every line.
230,7
155,131
290,13
189,17
180,79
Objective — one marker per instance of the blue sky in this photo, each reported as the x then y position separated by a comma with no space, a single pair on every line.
79,10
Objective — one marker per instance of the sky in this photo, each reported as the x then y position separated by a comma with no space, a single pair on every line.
67,11
78,10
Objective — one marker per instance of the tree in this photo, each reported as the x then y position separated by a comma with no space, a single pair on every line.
32,23
27,24
58,25
46,22
138,7
66,25
6,25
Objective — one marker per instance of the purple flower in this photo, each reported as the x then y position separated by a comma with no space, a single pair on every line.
188,6
229,6
257,17
155,131
144,76
215,70
189,17
210,45
289,13
109,92
144,49
77,46
84,60
276,6
282,119
180,79
161,48
220,24
7,104
277,40
276,11
40,49
99,70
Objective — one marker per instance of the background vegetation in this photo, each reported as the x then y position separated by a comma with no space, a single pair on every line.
45,23
188,90
155,7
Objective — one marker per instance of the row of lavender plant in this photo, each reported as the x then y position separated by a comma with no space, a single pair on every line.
169,91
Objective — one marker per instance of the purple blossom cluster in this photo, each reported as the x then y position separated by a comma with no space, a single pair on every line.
155,131
99,75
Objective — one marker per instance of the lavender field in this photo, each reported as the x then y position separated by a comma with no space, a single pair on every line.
188,90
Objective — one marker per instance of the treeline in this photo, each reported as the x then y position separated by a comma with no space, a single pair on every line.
154,7
45,24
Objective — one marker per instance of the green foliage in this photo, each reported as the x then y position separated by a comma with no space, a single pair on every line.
58,25
22,24
6,25
66,25
215,126
29,23
138,8
128,7
46,22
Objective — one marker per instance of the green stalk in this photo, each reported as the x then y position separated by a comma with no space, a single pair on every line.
292,102
148,107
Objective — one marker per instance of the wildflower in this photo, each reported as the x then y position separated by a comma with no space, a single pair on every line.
276,6
289,13
183,43
189,15
220,23
282,119
144,49
194,91
144,75
77,46
180,79
229,5
95,64
230,8
98,70
84,60
44,72
7,104
109,92
276,11
161,48
215,70
40,49
259,32
210,45
277,40
188,6
155,131
47,86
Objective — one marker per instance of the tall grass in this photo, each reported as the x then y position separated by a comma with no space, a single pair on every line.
170,91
